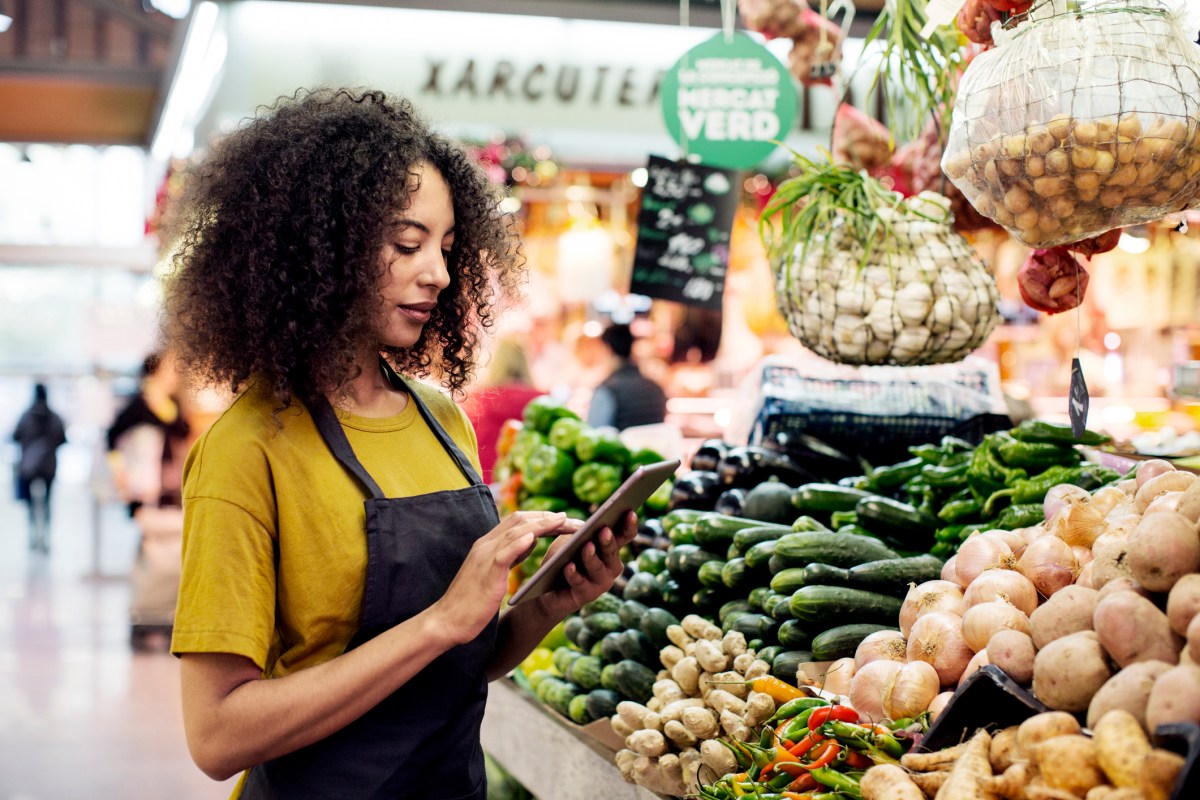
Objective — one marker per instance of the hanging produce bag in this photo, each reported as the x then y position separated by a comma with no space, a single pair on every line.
1084,118
910,292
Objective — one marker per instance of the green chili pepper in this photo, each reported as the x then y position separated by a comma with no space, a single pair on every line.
767,738
1032,430
929,453
952,444
862,737
981,474
1021,516
893,476
643,456
973,527
827,776
943,477
741,755
538,502
839,519
797,729
942,549
793,707
1033,490
1036,456
780,782
958,510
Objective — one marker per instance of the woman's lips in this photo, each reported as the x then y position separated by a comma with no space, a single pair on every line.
417,313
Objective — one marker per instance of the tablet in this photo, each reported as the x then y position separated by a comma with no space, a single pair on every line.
628,497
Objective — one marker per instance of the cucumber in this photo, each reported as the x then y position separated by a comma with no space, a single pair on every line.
753,626
826,575
900,521
683,533
835,549
734,574
562,658
636,646
822,499
709,574
571,629
577,710
733,607
768,653
893,575
778,607
585,672
789,580
602,622
655,623
684,561
843,641
770,501
602,703
634,680
707,602
746,538
652,560
716,531
793,636
631,613
786,665
610,648
642,587
758,555
776,565
608,677
605,602
756,597
680,515
818,605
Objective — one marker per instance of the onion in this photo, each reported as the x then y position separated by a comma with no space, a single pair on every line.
948,573
980,659
912,689
1128,486
1106,498
868,685
1003,584
1173,481
936,595
881,645
1152,469
1083,557
1078,523
1015,540
939,704
838,677
1049,564
1084,578
937,639
977,554
1059,496
985,619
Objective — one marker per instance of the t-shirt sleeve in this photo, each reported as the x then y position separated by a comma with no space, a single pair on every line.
227,587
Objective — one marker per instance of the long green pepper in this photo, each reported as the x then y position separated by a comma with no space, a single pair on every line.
793,707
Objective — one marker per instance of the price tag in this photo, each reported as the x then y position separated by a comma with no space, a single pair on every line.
939,13
1078,400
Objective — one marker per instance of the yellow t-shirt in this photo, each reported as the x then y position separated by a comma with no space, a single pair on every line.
274,543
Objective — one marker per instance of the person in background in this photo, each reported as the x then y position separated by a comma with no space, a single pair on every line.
626,397
39,433
343,563
502,395
146,439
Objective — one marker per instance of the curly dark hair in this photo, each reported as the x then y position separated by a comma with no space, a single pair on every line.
277,267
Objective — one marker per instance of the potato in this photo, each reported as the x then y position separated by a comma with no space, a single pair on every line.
1013,652
1122,585
1189,504
1109,559
1175,697
1069,671
1160,771
1069,763
1193,640
1163,547
1121,746
1042,727
1131,628
1128,690
1170,481
1183,603
1068,611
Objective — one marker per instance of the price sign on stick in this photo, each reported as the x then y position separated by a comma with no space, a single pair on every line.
684,225
1078,400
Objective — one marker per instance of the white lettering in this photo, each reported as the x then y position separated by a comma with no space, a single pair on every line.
693,122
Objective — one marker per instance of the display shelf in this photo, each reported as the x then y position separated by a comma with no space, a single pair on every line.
551,757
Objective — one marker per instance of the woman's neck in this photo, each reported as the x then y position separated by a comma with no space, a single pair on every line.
371,394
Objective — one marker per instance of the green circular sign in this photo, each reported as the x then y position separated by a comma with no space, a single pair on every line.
725,101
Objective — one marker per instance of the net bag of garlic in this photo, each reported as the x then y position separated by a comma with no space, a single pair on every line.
890,284
1084,118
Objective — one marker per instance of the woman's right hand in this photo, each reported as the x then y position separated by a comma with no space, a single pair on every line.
474,596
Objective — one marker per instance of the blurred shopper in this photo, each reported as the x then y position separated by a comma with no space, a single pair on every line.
343,562
39,433
501,396
625,398
148,438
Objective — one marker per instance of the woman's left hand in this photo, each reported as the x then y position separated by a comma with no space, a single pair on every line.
593,571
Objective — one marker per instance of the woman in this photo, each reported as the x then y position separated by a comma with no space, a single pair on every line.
343,564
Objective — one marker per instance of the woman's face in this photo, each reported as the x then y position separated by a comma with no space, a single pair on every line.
416,258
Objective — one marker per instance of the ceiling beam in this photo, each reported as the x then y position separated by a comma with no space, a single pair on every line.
81,71
153,23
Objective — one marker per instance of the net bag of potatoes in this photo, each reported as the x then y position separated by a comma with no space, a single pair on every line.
913,293
1082,119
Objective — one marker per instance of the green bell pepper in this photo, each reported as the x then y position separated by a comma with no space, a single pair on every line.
595,482
539,502
548,470
643,456
541,412
601,444
660,502
523,444
565,432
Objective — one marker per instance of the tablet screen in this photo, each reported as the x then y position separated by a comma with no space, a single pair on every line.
628,497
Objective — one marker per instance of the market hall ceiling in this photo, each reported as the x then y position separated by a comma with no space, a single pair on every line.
92,71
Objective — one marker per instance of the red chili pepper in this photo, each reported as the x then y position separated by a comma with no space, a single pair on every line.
779,729
823,714
803,783
806,744
857,760
795,796
824,755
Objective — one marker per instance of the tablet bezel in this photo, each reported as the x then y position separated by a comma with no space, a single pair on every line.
634,491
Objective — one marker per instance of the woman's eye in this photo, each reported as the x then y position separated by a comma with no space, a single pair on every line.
408,251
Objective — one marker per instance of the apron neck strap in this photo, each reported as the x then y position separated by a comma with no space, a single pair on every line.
335,439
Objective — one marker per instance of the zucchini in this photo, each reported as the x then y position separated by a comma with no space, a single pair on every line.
818,605
746,538
835,549
775,564
562,658
900,521
577,710
770,501
786,665
572,627
807,523
642,587
709,574
843,641
608,677
716,531
822,499
683,533
789,580
585,672
733,607
655,623
793,636
634,680
893,575
827,575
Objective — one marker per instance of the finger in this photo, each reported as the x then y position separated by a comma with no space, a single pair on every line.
516,549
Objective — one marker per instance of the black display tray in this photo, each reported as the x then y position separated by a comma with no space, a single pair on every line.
990,699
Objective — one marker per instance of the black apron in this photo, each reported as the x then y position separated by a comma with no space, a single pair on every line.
423,740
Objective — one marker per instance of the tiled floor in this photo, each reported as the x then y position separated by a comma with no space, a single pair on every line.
81,714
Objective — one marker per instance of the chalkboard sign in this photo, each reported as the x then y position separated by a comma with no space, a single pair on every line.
684,225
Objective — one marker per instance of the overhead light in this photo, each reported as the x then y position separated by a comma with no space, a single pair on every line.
5,20
177,9
200,60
